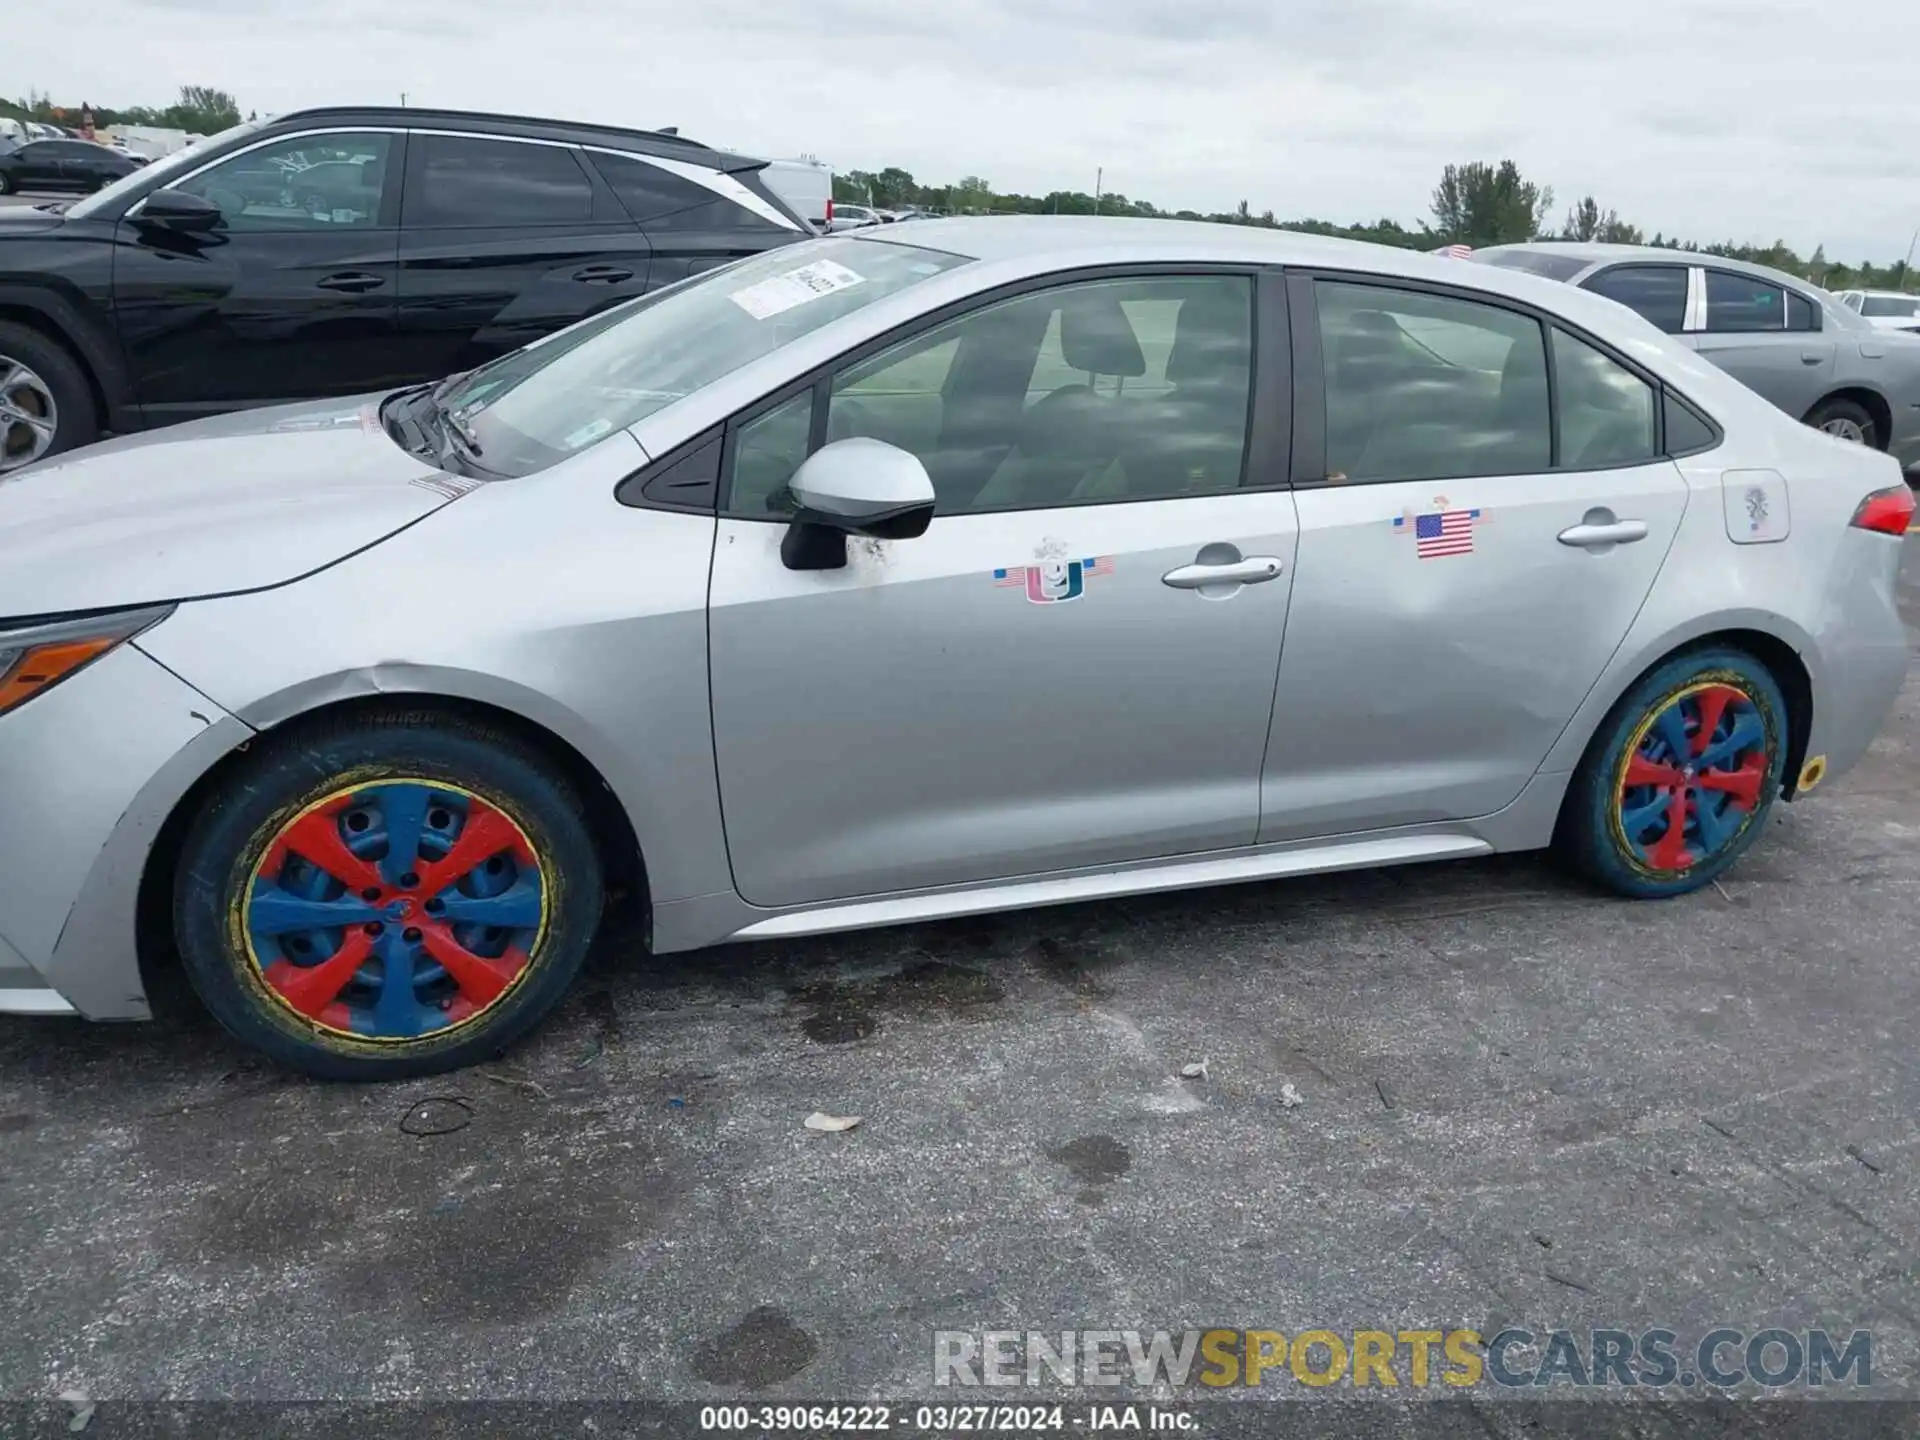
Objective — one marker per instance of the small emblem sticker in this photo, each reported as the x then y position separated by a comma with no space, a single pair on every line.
1440,532
1053,578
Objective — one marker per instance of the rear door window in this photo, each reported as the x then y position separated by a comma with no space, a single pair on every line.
459,181
1657,293
1423,386
1741,304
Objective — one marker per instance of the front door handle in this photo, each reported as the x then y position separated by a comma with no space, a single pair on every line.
1593,534
353,282
1253,570
602,275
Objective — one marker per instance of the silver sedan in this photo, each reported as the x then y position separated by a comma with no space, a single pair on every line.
728,604
1792,342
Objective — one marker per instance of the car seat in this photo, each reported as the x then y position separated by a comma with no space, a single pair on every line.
1193,437
1072,433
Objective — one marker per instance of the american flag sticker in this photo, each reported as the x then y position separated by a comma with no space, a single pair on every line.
1439,532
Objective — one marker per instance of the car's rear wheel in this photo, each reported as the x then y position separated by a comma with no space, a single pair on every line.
46,404
6,183
387,897
1846,420
1680,778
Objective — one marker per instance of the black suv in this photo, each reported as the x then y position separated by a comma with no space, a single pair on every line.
342,251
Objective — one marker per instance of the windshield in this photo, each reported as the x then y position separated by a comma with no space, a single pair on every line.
539,404
1890,305
158,173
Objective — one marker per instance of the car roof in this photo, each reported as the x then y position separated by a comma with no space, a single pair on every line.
1036,244
575,132
1597,253
1114,239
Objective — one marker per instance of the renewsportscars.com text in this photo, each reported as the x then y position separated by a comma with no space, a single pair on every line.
1724,1358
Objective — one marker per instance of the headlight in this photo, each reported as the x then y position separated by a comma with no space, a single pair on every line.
35,658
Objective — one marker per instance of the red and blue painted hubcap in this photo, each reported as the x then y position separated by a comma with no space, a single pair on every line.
394,909
1692,777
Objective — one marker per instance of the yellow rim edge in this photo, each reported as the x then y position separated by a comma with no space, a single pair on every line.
240,916
1724,680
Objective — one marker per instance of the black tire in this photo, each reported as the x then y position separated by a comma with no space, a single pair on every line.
1828,411
6,183
279,783
1595,819
77,418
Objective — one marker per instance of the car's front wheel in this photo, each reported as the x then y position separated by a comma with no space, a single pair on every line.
46,404
388,896
6,183
1680,778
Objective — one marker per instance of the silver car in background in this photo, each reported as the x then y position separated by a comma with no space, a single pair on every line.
1791,341
1884,309
961,566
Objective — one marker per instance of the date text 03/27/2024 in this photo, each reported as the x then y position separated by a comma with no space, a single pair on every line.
946,1419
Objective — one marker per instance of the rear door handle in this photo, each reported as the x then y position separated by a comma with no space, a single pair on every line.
352,281
1811,357
1591,536
602,275
1254,570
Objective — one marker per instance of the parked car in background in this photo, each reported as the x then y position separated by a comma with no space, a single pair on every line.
335,252
1884,309
64,165
1791,341
854,217
366,705
806,187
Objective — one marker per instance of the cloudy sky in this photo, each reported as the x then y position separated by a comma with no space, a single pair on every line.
1713,119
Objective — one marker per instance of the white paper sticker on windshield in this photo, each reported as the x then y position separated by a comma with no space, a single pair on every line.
588,432
795,287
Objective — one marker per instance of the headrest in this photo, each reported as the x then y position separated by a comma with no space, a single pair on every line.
1096,336
1211,339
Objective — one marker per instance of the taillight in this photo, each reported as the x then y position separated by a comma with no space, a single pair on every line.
1888,511
829,212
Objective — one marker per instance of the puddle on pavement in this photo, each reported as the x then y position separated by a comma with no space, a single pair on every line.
1093,1159
763,1349
1076,964
843,1011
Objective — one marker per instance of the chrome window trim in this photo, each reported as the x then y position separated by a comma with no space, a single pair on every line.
1694,322
199,170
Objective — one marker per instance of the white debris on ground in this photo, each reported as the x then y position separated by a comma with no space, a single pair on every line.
830,1124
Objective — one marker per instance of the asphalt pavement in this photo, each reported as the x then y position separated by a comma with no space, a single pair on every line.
1519,1102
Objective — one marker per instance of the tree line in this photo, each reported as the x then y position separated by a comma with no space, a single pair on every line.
1476,203
201,110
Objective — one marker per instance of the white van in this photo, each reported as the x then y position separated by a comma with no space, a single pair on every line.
807,186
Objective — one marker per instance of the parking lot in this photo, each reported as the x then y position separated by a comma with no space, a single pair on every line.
1520,1102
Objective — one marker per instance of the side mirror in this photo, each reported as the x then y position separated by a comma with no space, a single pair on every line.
854,487
178,210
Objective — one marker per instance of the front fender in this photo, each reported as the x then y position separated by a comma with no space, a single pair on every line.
81,317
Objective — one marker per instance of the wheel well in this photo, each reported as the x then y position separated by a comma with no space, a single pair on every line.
47,329
1789,673
1873,403
613,835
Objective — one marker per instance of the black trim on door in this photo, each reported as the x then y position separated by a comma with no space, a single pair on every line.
1309,382
1268,462
1309,387
685,480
